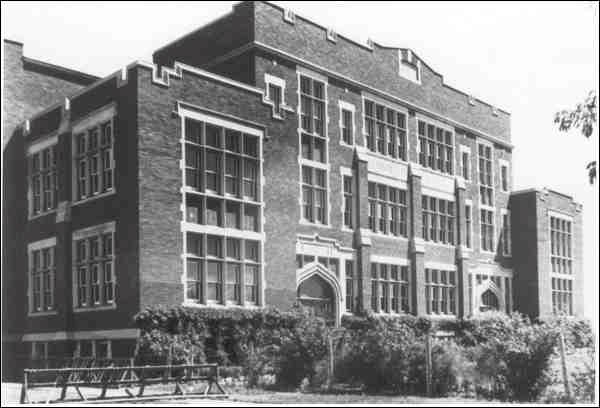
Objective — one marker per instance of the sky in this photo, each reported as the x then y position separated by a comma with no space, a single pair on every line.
529,58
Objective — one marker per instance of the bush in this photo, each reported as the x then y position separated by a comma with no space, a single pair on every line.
512,362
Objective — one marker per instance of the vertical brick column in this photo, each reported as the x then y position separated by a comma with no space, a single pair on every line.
63,280
417,247
362,238
462,253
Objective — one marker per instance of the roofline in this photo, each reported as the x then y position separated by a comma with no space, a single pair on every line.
60,70
7,40
157,77
345,37
543,190
342,77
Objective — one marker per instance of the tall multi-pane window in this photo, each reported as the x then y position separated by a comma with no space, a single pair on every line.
561,256
43,181
487,230
314,195
486,189
385,130
348,194
313,140
506,231
221,270
438,220
387,210
390,288
562,296
274,94
504,177
347,125
42,270
436,147
94,269
469,226
222,168
440,291
466,165
94,163
222,176
349,285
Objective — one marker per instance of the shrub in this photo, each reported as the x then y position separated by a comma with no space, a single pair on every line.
513,360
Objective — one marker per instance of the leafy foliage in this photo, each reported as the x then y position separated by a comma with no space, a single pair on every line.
582,117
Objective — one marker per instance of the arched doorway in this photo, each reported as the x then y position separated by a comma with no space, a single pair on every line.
320,291
316,294
489,301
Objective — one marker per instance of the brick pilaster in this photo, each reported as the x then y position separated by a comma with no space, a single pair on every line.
362,235
462,253
417,248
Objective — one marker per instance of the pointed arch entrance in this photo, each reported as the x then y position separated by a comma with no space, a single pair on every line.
319,290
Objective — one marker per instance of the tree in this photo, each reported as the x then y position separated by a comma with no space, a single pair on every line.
582,117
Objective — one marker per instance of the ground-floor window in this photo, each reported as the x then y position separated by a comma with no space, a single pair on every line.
389,288
101,348
562,296
440,291
222,270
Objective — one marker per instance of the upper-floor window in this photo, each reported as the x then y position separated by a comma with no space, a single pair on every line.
222,165
390,288
43,180
94,160
465,157
436,147
486,187
504,177
275,95
42,272
561,245
348,194
314,195
387,210
385,129
347,123
506,231
312,106
440,291
94,267
438,220
487,230
468,225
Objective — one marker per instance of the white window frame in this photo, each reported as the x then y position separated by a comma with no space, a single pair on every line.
300,72
492,174
430,121
495,230
276,81
469,203
35,246
96,230
568,218
37,147
389,105
505,253
466,149
347,172
222,232
506,164
343,105
96,118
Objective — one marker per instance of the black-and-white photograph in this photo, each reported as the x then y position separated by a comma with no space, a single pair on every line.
300,203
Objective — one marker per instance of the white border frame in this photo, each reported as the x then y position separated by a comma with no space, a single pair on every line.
343,105
301,71
86,233
35,246
185,226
